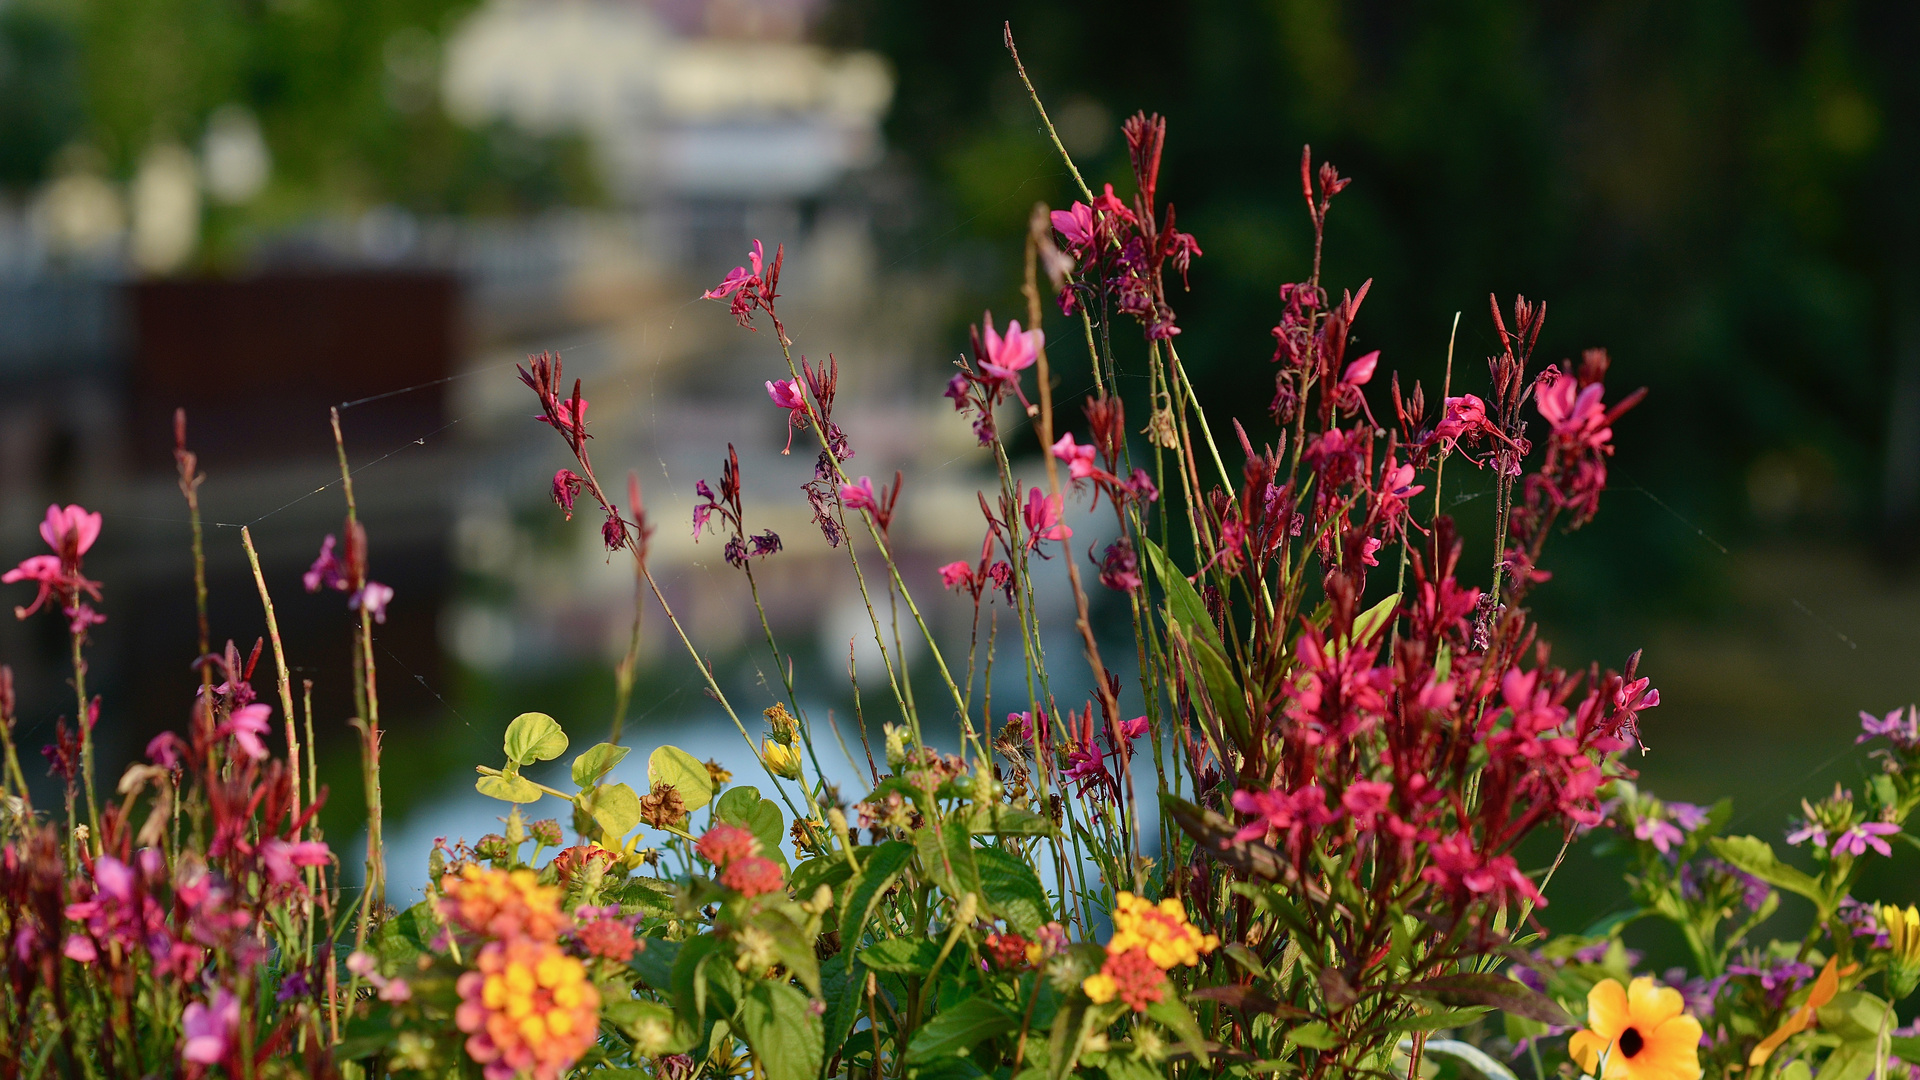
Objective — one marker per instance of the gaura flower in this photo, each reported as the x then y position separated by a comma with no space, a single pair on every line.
209,1030
1042,514
1824,987
1643,1031
859,495
1009,355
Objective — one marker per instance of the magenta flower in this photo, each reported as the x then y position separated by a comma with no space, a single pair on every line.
327,571
1808,830
1079,459
1466,415
1023,723
1366,800
1857,840
956,574
566,487
374,597
209,1031
1134,728
859,495
1660,833
246,724
1075,225
1360,372
787,394
1901,726
1574,411
1042,516
562,420
748,288
1009,355
70,532
282,858
1283,811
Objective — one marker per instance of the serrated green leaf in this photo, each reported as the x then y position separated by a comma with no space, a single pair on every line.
534,736
1172,1014
685,773
1012,890
513,789
598,760
614,807
880,867
902,956
1756,857
955,1031
782,1031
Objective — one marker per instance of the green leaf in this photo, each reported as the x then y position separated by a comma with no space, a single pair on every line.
744,807
902,956
1184,605
1012,890
1445,1018
947,1068
1494,991
879,868
1001,820
843,984
534,736
512,789
820,870
597,762
1756,857
1314,1035
366,1036
1173,1015
1365,625
791,943
685,773
946,856
782,1031
1856,1017
615,808
1223,690
1849,1061
654,963
958,1030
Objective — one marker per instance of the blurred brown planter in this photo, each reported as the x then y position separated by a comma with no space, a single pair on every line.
257,361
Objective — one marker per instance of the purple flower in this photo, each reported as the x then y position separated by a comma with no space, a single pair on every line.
374,598
326,571
1686,815
1808,830
1857,840
1901,727
1660,833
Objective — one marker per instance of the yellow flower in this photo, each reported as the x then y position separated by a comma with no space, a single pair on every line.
1161,929
1824,987
780,760
1903,947
1643,1031
1099,988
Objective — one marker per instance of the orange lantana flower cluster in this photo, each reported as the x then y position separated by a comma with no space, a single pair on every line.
1148,938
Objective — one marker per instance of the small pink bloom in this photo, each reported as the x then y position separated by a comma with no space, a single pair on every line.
1079,459
70,531
1360,371
1134,728
563,418
786,393
1042,516
1366,800
282,858
1009,355
1076,226
209,1031
1465,415
859,495
566,487
955,574
374,597
396,990
327,572
246,725
1857,840
79,948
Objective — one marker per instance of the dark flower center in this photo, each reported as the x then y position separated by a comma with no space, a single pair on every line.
1632,1042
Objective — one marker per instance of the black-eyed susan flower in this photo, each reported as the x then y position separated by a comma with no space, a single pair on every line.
1642,1031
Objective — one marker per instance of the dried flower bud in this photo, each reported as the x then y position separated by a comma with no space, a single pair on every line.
781,724
718,775
662,806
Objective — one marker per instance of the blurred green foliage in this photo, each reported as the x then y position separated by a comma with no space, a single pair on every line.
346,93
1719,193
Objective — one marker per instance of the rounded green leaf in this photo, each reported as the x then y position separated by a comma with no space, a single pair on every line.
615,808
507,789
685,773
596,763
534,737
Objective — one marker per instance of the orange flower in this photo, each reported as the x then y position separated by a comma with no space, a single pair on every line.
1643,1031
502,904
1161,929
1132,976
528,1009
1824,987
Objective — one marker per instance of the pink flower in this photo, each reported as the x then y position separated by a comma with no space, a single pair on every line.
246,725
374,597
1042,515
1134,728
562,420
566,487
1282,811
748,288
1660,833
1465,415
209,1031
739,277
955,574
1902,726
1574,411
1079,459
1399,482
70,531
787,394
1360,371
1366,800
282,857
1075,225
1008,356
42,569
1857,840
859,495
327,572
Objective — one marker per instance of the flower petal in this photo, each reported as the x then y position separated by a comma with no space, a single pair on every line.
1651,1005
1674,1049
1585,1048
1607,1012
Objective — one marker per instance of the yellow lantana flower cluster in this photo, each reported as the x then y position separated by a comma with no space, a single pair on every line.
1148,938
1161,929
528,1009
502,904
